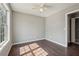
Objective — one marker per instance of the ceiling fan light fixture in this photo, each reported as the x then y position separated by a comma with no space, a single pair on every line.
41,9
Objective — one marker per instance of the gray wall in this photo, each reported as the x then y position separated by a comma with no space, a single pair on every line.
27,27
55,26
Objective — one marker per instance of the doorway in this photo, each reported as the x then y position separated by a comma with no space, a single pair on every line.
75,30
72,28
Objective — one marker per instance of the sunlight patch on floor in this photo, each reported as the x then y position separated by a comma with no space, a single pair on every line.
40,52
32,50
34,46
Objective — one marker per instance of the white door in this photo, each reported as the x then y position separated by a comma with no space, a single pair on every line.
73,30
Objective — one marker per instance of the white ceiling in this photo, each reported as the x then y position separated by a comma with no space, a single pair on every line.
27,8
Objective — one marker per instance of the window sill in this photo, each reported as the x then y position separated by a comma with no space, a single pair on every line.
1,44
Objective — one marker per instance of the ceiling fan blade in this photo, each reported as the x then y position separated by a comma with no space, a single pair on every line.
47,6
41,5
35,8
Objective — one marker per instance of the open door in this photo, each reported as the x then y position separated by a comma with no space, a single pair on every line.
73,30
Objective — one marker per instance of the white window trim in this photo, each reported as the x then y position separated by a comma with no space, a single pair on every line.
8,24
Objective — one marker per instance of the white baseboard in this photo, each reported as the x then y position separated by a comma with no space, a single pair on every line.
19,42
27,41
56,42
41,39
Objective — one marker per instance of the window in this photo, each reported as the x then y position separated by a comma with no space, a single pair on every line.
3,24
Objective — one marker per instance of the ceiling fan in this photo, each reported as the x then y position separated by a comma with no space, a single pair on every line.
41,7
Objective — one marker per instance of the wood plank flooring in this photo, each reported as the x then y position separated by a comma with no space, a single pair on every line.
43,48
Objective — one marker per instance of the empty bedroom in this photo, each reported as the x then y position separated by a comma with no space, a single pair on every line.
39,29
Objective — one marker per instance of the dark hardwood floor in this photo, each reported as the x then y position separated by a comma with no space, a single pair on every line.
43,48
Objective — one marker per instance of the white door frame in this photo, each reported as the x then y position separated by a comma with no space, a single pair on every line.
66,26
